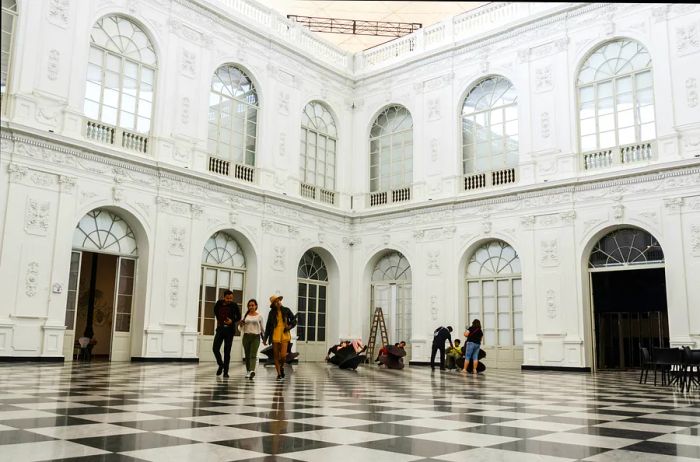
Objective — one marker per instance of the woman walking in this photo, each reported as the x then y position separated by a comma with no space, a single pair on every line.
279,322
474,335
252,329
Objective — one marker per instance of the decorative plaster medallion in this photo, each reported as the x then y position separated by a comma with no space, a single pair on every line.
278,262
17,172
117,194
688,39
185,111
486,227
67,183
433,263
543,79
434,109
30,279
177,241
36,217
544,125
188,63
174,289
196,210
551,303
283,103
58,12
695,240
550,253
691,92
434,307
52,65
618,211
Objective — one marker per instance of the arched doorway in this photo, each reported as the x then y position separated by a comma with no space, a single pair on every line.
391,291
494,296
223,267
628,297
312,304
101,285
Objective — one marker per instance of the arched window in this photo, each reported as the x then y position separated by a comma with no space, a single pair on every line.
615,95
318,144
490,126
312,280
391,150
223,268
121,75
494,293
9,14
625,247
233,116
391,291
102,231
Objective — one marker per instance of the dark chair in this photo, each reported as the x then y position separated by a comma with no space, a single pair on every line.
670,362
647,363
691,368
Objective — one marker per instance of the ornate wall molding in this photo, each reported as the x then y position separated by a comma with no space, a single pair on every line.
31,279
58,12
695,240
52,65
36,217
176,241
279,259
551,303
549,256
173,292
433,263
688,39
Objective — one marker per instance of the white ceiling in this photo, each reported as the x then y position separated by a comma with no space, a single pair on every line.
425,13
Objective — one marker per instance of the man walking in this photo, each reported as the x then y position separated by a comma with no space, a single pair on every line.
227,315
439,336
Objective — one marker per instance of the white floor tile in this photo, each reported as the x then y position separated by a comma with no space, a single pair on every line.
72,432
466,438
215,433
498,455
193,452
582,439
47,450
350,453
340,436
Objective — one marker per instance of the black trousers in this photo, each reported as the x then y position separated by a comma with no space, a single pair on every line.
223,335
437,347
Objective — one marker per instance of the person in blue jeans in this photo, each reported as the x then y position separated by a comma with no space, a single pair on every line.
474,335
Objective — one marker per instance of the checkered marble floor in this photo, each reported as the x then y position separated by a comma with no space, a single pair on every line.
172,412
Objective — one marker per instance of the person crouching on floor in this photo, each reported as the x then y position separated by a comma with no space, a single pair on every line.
453,354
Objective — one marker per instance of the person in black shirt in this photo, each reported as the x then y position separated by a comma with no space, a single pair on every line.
227,314
439,336
474,335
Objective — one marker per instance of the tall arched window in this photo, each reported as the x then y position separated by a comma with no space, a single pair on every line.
391,150
312,280
9,14
494,293
318,144
615,94
233,116
121,75
391,291
490,126
223,268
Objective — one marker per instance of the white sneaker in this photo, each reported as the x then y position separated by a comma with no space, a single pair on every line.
247,375
252,374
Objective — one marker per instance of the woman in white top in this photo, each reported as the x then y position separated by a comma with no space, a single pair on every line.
252,328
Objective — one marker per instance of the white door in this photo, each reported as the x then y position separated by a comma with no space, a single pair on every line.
71,305
123,302
311,315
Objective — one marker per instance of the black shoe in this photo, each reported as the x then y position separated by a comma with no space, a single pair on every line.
282,373
252,374
225,375
442,369
279,377
220,370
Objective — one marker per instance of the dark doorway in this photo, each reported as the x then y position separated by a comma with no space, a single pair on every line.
629,309
95,309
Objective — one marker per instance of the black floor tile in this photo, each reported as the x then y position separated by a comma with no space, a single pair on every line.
670,449
414,446
132,441
21,436
159,425
40,422
277,429
550,449
275,444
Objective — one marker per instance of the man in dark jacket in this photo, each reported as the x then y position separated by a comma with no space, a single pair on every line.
439,336
227,314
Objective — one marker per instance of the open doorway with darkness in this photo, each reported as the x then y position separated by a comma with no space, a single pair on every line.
628,295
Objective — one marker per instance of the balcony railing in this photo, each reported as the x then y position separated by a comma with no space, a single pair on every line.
390,197
239,171
487,179
313,192
621,155
115,136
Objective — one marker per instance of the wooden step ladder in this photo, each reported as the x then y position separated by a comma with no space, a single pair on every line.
377,322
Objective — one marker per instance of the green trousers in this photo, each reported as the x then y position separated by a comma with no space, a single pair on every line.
251,343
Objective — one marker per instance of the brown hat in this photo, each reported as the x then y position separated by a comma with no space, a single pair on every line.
274,298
